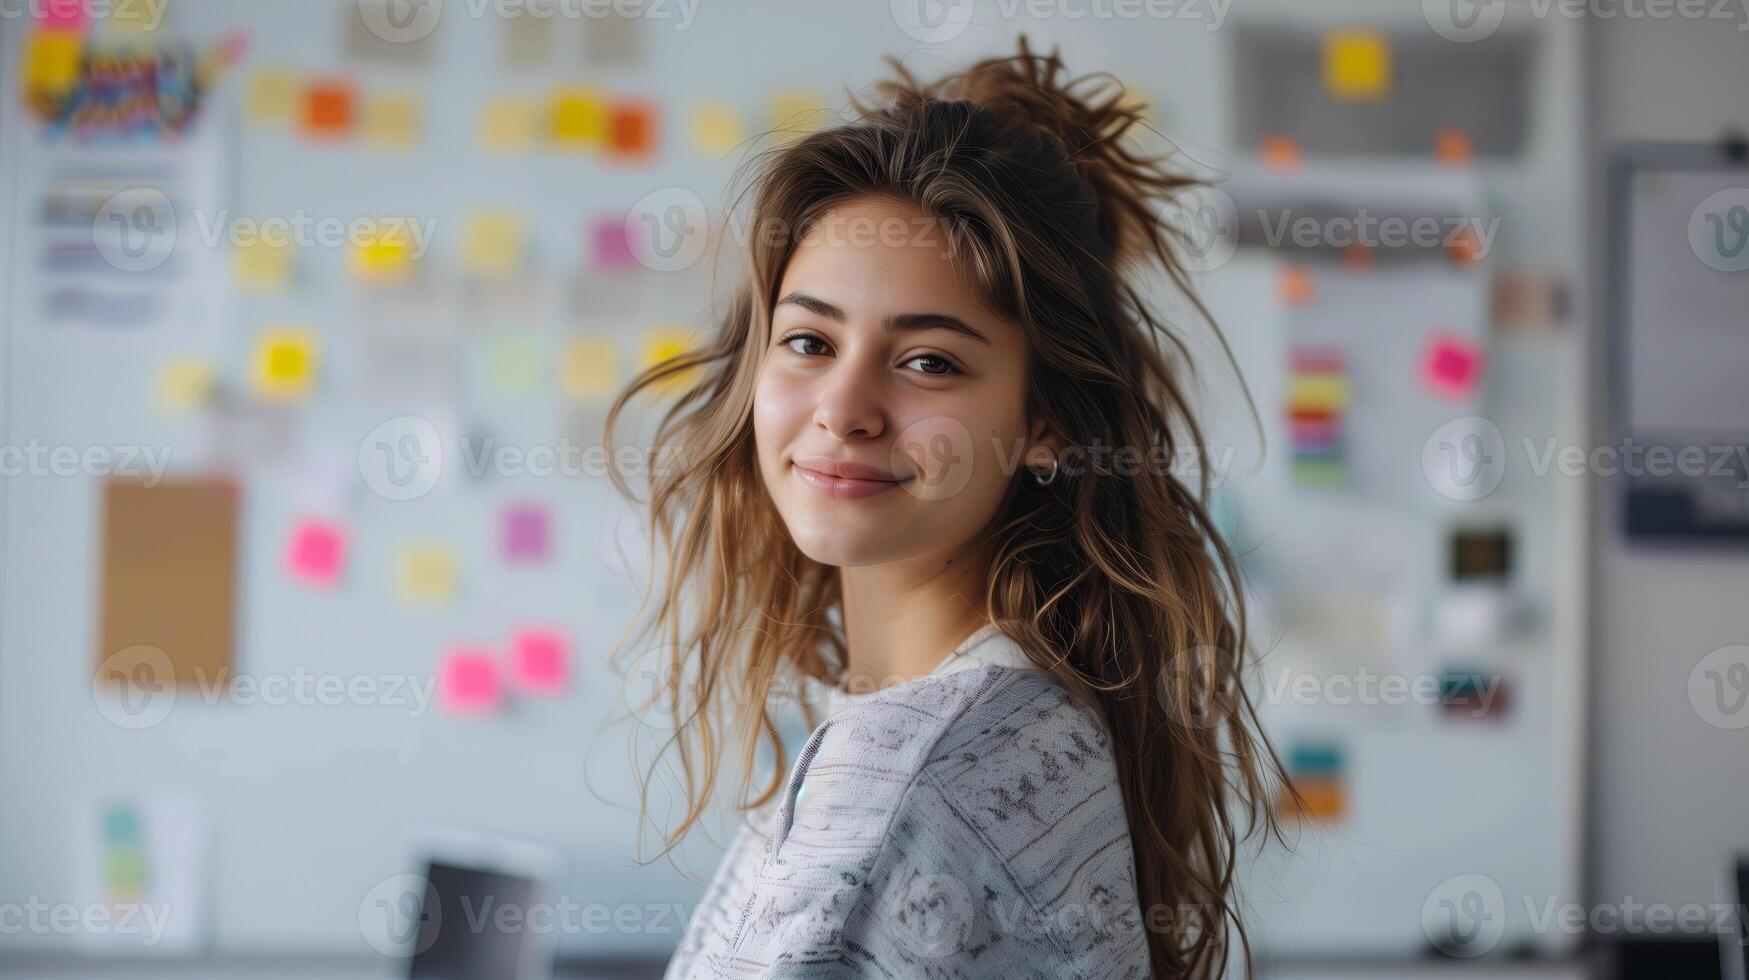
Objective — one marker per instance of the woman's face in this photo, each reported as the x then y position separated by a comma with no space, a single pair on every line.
889,416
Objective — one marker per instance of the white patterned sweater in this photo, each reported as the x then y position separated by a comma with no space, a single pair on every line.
967,823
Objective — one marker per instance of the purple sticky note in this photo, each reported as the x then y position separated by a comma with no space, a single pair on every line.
612,247
316,552
540,661
468,681
527,537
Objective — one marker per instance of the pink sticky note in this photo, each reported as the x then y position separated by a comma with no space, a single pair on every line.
469,681
526,533
316,552
612,249
540,661
64,15
1451,366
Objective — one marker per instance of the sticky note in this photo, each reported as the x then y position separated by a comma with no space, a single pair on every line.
428,573
527,533
327,109
794,110
540,661
383,255
1294,286
663,344
1280,153
185,384
1451,366
1465,246
609,246
528,39
60,15
261,266
138,17
578,117
513,364
714,127
285,362
316,552
1318,392
507,125
1357,65
468,681
1357,257
631,130
391,121
1452,145
272,97
492,244
51,65
587,367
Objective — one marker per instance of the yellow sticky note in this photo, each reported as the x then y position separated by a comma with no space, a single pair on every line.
715,128
285,362
587,368
383,255
272,96
51,66
391,121
428,572
138,17
492,243
795,111
513,364
260,266
1318,392
507,125
185,384
661,344
1357,65
578,117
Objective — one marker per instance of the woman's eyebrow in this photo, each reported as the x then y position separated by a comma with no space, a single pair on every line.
898,321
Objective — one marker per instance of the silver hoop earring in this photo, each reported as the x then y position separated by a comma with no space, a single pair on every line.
1045,479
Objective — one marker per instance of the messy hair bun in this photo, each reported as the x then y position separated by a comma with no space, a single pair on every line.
1088,120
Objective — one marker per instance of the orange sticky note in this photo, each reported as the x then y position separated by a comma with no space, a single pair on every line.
316,552
632,130
327,109
540,661
1294,286
468,681
1464,247
1279,152
1452,145
1357,258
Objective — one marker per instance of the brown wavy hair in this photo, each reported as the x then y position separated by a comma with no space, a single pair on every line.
1117,583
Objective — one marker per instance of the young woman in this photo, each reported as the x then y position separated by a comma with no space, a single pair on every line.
924,467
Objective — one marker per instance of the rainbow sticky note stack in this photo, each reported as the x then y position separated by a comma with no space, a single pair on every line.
1318,397
1316,770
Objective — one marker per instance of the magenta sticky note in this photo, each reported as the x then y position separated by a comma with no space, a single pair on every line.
317,552
469,681
1452,366
540,661
612,249
64,15
527,533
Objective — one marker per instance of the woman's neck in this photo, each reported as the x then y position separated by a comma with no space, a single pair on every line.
903,618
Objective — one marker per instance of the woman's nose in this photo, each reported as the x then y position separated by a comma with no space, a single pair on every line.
849,405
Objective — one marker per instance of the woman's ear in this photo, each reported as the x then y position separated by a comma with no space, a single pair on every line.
1043,445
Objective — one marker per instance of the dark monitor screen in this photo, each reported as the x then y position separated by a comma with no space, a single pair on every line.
473,926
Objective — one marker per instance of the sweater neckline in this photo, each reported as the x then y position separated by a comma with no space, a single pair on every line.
985,645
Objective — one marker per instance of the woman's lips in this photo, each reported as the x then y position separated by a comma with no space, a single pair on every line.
846,481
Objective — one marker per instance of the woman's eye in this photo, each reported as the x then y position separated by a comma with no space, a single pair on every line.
933,364
800,343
